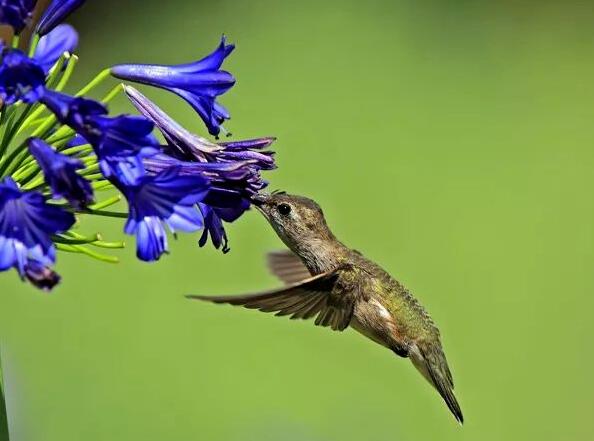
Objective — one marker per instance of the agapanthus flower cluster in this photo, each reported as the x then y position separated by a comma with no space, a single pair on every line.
60,152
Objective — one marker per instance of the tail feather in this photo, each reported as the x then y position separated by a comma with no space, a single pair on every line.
430,360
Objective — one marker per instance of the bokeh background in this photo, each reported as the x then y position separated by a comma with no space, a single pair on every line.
453,142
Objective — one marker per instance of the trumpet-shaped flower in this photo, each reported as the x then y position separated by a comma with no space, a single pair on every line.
56,12
21,78
167,198
16,13
50,48
60,174
120,142
233,163
27,223
199,83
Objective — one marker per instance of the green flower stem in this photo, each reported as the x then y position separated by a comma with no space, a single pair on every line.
106,203
56,72
93,168
33,119
25,174
109,245
15,41
14,159
102,76
72,61
113,93
45,127
6,119
102,185
84,250
12,129
105,213
94,177
98,243
26,164
83,148
59,238
33,46
53,79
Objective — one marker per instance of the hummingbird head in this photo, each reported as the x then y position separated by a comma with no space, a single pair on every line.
297,220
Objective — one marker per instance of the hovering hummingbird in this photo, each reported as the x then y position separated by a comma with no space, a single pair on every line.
340,287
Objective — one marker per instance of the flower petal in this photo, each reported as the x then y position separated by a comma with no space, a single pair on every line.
50,48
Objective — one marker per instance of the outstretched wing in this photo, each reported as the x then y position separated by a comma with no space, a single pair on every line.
320,296
287,266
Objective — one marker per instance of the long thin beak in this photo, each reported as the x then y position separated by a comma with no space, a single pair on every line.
260,199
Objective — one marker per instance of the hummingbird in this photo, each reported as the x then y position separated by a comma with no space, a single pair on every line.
338,286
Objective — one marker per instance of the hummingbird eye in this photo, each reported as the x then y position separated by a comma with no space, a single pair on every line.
284,209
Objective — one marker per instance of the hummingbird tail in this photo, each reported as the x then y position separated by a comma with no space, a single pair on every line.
430,360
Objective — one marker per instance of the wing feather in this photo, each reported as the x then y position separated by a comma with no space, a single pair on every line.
287,266
316,295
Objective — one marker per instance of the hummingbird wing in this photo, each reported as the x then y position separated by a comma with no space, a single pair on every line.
287,266
314,296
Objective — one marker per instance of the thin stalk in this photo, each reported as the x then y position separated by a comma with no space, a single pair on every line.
33,46
67,73
113,93
59,238
12,129
101,76
106,203
102,186
105,213
6,118
84,250
13,160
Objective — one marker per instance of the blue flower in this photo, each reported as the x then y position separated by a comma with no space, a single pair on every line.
60,174
213,226
16,13
236,164
190,147
199,83
120,142
233,168
21,78
27,223
165,199
50,48
76,112
56,12
76,141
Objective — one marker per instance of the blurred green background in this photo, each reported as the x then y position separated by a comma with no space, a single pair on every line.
453,142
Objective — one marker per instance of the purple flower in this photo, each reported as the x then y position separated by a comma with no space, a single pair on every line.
50,48
60,174
16,13
76,112
213,226
120,142
165,199
199,83
56,12
233,163
233,168
21,78
27,223
76,141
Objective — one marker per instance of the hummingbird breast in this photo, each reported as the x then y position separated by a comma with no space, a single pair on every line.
374,321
